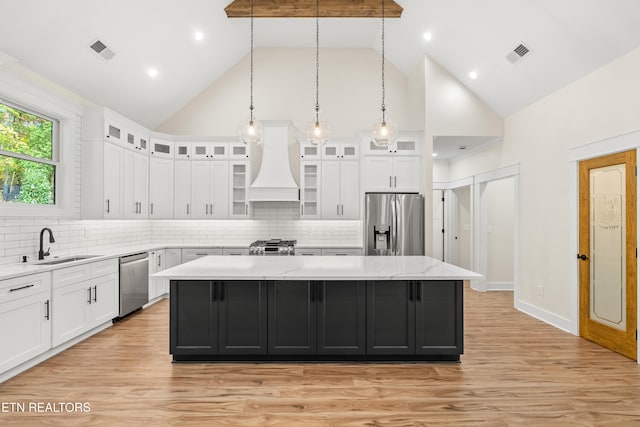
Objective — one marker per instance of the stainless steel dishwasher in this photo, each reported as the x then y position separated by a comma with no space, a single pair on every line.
134,282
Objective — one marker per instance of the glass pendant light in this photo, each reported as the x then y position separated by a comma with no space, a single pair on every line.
250,130
384,131
318,132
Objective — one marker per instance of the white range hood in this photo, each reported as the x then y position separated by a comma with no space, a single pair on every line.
274,182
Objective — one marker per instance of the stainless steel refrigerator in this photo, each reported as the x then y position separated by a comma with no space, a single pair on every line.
394,224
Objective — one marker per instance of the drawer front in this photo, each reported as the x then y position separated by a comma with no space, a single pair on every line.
342,252
70,275
237,251
25,286
309,252
104,268
190,254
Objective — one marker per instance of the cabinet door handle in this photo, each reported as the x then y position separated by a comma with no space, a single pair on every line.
214,295
89,289
20,288
151,208
418,291
390,182
206,208
187,208
342,210
108,206
338,210
221,291
301,208
159,260
47,305
395,181
246,209
95,293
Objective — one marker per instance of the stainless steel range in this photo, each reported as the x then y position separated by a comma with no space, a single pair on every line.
273,247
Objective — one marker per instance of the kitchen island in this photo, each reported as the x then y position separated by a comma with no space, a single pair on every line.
321,308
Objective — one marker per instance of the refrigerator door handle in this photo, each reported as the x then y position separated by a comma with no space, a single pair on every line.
394,225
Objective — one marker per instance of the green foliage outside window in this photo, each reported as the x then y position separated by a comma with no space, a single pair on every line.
22,180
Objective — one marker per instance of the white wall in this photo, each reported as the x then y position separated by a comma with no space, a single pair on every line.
499,196
453,110
601,105
284,89
462,248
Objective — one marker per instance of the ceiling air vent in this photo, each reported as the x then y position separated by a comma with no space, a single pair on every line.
518,53
101,49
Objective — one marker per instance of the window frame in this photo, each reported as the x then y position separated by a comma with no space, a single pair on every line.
55,155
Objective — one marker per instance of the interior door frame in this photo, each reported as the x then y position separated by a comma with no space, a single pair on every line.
624,142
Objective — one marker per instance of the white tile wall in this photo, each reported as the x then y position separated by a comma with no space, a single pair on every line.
20,237
227,232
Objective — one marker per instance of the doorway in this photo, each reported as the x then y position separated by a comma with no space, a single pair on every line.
607,251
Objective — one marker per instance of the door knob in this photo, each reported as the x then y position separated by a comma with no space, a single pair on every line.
583,257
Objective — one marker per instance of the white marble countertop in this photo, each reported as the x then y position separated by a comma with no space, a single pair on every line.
316,268
10,271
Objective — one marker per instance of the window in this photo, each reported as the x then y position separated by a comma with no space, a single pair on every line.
28,156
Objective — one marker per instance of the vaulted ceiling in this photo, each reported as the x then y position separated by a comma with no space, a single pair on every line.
567,38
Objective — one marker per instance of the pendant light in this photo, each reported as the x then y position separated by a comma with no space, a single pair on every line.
318,132
250,130
384,131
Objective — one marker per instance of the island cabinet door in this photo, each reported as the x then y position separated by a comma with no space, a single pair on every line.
439,317
242,317
390,317
341,317
194,317
292,317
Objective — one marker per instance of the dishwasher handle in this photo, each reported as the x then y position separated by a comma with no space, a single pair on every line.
135,257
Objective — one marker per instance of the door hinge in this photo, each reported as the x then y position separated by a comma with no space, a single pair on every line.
443,199
636,170
443,231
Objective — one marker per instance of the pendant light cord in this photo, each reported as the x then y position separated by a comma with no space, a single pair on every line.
383,106
317,59
251,73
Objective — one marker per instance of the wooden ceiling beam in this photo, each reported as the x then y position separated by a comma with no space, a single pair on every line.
307,9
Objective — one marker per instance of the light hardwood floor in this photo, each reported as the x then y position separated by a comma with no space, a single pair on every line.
516,371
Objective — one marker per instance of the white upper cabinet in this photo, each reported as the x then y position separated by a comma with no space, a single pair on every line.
182,150
182,190
210,189
160,188
161,148
238,189
209,150
310,181
340,189
309,151
347,149
113,131
238,151
134,189
407,144
135,141
112,181
392,174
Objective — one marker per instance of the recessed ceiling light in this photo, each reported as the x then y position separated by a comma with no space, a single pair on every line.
198,35
427,36
434,154
473,75
152,72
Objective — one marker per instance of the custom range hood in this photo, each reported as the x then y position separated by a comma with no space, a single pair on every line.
274,182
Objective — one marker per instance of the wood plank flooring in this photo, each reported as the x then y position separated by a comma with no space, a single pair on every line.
516,371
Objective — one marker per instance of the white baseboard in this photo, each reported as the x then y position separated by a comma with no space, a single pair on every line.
52,352
552,319
499,286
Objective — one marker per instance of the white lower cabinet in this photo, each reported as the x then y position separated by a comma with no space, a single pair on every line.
189,254
308,252
84,297
235,251
25,319
161,260
341,252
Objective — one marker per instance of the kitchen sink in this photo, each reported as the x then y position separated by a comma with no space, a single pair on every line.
64,260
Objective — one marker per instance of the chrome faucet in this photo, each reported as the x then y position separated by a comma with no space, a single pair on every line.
42,253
